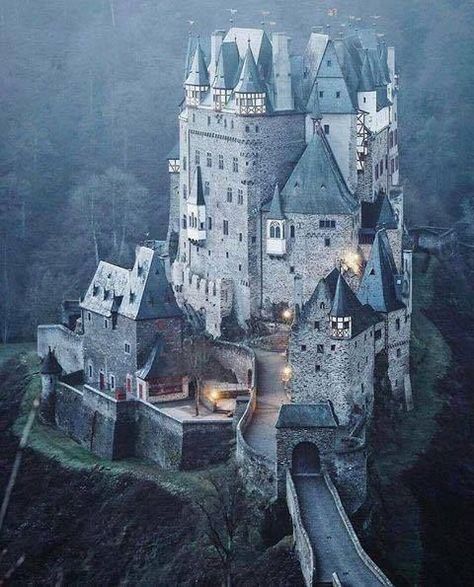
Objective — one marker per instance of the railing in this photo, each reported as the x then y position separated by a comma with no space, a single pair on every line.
301,538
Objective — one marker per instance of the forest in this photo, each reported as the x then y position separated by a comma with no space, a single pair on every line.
90,92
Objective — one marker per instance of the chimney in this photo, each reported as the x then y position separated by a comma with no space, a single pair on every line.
282,72
216,41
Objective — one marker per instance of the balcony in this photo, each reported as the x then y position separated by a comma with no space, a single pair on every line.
276,246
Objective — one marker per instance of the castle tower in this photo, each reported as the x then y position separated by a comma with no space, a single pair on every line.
250,92
197,82
341,313
50,373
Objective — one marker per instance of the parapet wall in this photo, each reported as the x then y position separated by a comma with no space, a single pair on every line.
67,345
300,536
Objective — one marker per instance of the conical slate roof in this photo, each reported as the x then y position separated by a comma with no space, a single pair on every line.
378,285
250,81
343,302
227,67
50,365
276,212
316,185
198,75
197,193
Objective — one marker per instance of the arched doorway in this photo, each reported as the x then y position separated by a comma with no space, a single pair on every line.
305,459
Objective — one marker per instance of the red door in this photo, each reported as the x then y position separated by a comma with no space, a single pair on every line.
101,380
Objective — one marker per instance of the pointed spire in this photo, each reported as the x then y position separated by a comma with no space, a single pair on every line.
276,212
197,193
198,75
367,82
386,218
378,287
250,81
343,299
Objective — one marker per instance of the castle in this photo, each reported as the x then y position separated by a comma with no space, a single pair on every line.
286,210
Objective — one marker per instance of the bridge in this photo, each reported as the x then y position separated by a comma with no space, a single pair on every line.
327,545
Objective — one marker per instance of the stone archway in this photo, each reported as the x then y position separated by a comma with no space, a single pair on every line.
305,459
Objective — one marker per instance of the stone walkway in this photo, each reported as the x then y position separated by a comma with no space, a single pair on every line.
261,434
332,545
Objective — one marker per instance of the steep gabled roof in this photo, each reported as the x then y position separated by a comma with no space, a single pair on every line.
334,97
198,75
378,214
378,286
316,185
313,107
250,81
227,67
140,293
160,363
196,195
367,82
275,212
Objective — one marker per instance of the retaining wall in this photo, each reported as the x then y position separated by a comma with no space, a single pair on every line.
117,429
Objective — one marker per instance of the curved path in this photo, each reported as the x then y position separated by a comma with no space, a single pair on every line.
261,433
332,544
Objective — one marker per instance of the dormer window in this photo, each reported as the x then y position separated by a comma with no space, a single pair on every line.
95,290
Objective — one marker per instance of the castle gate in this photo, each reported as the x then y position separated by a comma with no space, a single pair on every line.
305,459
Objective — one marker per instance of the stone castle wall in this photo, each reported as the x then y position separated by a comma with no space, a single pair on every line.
67,345
307,256
115,429
323,369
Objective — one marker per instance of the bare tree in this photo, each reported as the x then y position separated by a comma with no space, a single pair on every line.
225,518
197,350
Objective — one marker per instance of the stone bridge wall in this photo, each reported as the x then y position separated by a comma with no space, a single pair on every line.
300,536
66,344
368,562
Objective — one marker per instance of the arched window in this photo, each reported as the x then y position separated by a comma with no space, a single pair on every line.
276,230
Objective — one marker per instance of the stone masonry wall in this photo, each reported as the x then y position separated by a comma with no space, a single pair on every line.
307,256
67,345
263,149
340,371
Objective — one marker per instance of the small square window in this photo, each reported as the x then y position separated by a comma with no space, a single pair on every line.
326,129
303,347
317,368
292,269
338,94
320,349
399,352
333,347
329,63
254,239
317,325
321,94
327,242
